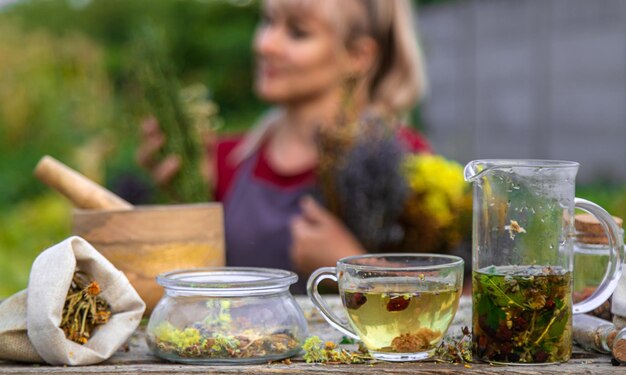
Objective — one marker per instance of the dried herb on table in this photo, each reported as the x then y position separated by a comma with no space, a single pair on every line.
317,352
456,349
84,310
522,314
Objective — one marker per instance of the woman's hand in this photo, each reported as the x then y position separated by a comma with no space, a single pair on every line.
319,239
152,141
163,169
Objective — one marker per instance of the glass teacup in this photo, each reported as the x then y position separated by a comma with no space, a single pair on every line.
399,305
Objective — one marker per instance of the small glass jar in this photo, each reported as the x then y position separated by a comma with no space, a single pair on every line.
226,315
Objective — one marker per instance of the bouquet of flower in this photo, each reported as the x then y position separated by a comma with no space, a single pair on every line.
391,199
437,214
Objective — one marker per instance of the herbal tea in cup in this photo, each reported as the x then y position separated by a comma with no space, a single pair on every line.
399,305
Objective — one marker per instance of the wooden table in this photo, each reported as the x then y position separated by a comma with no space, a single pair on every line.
136,358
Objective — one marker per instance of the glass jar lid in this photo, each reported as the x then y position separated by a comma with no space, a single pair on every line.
227,281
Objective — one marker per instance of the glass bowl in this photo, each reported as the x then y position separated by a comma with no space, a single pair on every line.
226,315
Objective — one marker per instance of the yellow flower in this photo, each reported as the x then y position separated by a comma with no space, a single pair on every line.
180,338
439,183
93,288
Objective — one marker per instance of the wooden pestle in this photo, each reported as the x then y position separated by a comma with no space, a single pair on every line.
81,191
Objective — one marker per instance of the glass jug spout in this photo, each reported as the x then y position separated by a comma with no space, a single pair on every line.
476,168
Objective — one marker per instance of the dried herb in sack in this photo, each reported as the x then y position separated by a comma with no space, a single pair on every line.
83,310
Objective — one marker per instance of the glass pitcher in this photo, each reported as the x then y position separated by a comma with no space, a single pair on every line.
522,259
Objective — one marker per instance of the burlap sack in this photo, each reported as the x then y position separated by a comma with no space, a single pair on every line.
30,319
14,344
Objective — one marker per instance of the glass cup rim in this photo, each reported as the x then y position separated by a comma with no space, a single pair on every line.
454,261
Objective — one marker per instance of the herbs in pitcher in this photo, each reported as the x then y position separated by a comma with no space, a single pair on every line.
522,314
83,309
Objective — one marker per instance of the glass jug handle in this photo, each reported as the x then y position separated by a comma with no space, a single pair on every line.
616,257
311,289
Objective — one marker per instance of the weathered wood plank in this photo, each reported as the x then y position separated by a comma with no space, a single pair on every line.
136,358
576,366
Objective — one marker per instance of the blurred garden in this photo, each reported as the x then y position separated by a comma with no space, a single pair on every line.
68,88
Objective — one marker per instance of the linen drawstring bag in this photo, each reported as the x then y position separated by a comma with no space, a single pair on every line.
30,319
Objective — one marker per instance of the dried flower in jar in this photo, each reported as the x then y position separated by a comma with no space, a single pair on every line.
199,342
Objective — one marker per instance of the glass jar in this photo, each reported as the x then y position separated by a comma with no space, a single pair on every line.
591,254
226,315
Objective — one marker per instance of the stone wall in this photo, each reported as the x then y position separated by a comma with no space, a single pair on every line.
528,79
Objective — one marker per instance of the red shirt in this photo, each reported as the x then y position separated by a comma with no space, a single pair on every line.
227,168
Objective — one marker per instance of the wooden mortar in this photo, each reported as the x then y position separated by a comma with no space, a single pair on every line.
141,241
149,240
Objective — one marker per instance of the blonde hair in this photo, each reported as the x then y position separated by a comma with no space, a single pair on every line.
396,82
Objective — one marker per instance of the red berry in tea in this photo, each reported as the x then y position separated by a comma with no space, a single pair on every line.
398,303
354,300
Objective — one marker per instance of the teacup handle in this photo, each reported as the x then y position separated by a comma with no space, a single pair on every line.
616,256
321,305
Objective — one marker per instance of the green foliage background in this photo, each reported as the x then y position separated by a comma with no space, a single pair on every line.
66,89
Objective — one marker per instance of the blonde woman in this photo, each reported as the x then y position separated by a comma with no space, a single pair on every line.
307,53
